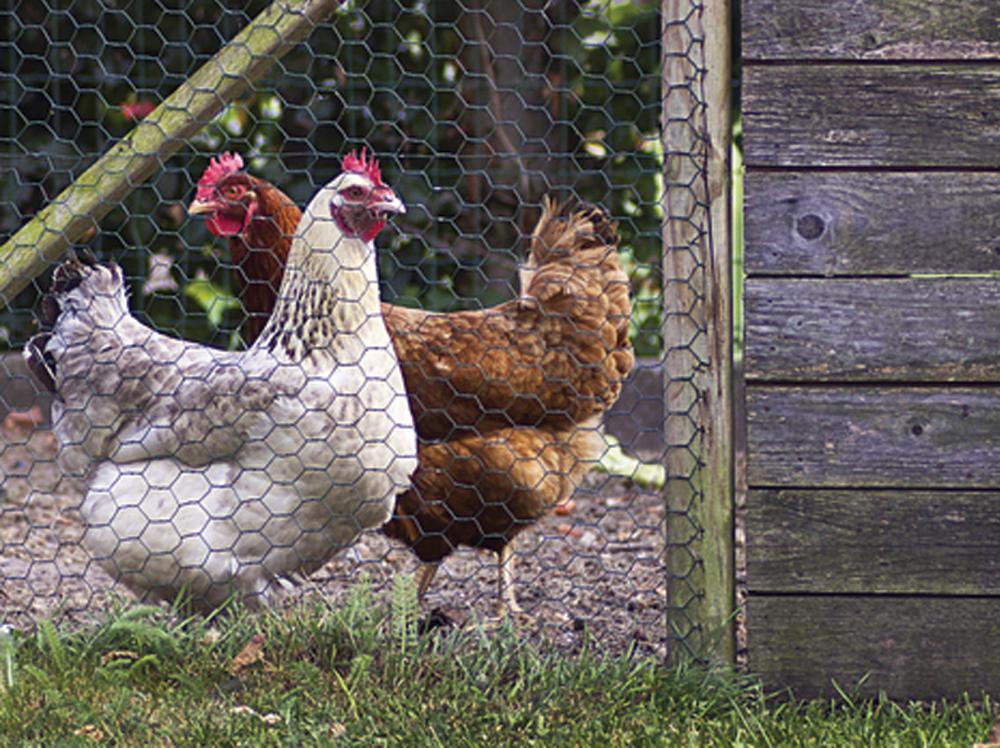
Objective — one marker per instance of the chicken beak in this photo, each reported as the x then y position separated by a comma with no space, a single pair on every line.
199,207
386,205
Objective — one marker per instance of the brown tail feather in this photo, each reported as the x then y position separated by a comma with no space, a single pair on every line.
562,230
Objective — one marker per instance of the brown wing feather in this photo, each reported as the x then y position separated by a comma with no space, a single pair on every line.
482,491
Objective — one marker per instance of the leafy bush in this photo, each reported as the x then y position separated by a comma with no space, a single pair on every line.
475,115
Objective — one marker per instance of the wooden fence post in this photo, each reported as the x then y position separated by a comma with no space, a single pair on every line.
698,329
136,157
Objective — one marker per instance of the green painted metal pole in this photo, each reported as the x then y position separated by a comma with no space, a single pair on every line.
136,157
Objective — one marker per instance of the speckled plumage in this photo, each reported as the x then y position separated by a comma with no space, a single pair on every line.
219,472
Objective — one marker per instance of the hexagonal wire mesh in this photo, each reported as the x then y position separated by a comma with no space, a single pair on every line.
476,111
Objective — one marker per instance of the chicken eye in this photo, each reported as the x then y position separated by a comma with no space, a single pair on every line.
355,193
231,191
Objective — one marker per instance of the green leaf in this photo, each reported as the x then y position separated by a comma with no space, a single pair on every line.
213,299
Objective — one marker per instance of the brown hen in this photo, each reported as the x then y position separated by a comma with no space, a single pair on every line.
506,400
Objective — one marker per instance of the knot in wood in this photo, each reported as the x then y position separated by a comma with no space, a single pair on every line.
810,227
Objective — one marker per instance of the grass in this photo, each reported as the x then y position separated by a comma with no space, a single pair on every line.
362,675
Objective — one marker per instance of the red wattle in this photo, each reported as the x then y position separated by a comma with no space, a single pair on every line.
230,224
373,230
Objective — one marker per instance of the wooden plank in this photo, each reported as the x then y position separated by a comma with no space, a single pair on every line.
919,329
871,30
698,330
909,542
927,437
911,648
835,223
864,115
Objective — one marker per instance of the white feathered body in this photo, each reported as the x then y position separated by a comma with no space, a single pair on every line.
217,472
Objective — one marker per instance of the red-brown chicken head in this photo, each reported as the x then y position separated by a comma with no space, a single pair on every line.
226,195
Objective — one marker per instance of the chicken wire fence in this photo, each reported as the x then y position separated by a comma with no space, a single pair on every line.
476,112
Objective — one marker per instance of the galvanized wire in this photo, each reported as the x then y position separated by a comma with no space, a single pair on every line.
476,112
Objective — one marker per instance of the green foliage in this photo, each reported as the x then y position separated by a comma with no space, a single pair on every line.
575,113
7,669
212,299
359,675
405,613
646,325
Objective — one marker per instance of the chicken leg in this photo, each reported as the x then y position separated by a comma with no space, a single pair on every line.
505,582
425,577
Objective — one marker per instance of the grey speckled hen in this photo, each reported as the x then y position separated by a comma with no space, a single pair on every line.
218,472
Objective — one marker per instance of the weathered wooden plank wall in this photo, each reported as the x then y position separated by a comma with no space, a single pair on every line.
872,144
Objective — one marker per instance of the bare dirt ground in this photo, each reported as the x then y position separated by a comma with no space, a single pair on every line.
596,572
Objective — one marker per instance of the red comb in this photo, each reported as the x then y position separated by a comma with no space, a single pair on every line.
363,164
218,168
